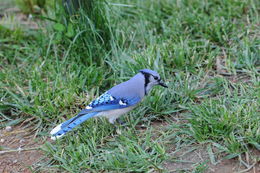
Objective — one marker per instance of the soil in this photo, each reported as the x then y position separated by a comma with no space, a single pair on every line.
19,150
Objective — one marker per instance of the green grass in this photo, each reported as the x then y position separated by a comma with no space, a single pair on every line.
207,51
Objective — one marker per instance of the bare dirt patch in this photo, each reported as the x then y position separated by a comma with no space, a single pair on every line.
200,156
19,150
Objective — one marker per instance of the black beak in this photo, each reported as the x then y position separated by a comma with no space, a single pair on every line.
163,84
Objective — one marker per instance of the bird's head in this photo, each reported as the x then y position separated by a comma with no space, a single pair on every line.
152,78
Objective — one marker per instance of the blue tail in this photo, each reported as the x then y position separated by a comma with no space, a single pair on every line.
68,125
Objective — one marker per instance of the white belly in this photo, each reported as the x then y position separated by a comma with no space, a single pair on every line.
112,115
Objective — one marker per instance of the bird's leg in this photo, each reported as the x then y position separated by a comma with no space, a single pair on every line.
122,123
115,123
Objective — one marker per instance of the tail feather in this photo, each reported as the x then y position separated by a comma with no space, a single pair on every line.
68,125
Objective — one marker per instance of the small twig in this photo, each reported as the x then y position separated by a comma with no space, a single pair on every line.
248,168
19,150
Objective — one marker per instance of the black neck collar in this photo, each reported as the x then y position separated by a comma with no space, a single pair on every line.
146,77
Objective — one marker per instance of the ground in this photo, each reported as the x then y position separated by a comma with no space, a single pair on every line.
24,161
52,65
19,150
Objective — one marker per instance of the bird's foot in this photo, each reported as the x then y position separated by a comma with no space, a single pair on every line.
122,123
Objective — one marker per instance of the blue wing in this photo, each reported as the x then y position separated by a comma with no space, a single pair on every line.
108,102
103,103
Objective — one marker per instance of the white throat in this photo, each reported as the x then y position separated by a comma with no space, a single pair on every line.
148,87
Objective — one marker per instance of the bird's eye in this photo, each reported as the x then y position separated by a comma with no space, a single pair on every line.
155,77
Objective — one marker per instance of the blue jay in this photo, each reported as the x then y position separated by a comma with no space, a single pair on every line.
117,101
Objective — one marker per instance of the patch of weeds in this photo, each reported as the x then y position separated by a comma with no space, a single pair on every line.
50,75
232,120
85,29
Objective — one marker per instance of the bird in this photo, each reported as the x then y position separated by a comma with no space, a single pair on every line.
115,102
